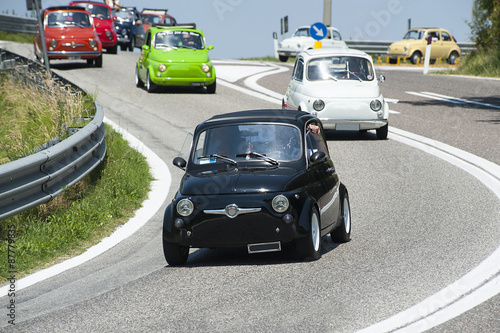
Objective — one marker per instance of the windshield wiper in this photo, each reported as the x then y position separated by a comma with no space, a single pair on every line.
332,77
264,157
222,157
356,75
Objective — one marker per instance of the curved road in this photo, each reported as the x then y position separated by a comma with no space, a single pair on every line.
420,222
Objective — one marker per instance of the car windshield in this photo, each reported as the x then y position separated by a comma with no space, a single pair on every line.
178,39
68,18
125,15
99,12
302,32
340,68
414,34
250,142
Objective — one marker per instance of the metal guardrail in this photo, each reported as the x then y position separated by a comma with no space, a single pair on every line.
380,47
18,24
36,179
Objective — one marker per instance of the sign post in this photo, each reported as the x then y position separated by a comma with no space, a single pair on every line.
318,31
427,58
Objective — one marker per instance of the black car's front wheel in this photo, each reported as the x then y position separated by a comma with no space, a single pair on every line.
174,253
342,233
308,248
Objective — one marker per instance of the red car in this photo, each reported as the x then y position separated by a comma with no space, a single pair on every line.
156,16
69,34
103,21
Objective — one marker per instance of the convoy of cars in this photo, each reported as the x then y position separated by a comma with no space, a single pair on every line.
259,179
175,56
339,87
271,178
414,43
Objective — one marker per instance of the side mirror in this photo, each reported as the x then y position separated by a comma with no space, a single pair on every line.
145,48
210,47
317,156
381,78
180,162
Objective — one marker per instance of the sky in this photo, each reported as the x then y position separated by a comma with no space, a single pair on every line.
240,29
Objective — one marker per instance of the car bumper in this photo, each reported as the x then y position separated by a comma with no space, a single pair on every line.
352,124
396,55
73,55
122,40
288,53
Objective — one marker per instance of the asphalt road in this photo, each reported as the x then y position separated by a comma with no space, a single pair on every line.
420,223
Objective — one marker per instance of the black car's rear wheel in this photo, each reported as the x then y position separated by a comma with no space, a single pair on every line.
308,248
98,61
211,88
174,253
342,233
382,132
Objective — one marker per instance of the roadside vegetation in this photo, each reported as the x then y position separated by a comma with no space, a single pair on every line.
85,213
16,37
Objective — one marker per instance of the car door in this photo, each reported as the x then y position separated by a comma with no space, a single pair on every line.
324,179
436,44
448,44
144,58
295,84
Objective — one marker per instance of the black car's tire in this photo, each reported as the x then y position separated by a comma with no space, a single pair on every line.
98,61
174,253
416,57
113,50
211,88
283,58
123,47
138,82
382,132
150,86
90,62
131,45
342,233
309,247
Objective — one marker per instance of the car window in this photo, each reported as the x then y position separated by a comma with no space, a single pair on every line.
340,68
298,71
336,35
151,19
414,34
68,18
96,11
434,35
302,32
445,36
315,140
125,15
178,38
279,141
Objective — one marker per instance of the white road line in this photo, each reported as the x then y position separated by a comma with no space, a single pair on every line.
450,99
156,198
472,289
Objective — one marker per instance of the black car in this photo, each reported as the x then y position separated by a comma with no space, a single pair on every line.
129,29
259,179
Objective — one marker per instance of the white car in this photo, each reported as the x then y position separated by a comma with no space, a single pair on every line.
301,40
339,87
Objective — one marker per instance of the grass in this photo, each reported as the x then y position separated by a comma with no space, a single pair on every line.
484,64
16,37
83,214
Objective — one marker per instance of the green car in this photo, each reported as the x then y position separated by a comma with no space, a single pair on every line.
175,56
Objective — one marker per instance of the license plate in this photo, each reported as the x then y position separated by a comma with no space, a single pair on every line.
197,84
73,57
347,127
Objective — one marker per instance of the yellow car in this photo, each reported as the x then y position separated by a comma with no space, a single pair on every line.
413,45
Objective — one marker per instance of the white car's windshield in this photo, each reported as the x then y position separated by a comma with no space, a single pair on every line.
340,68
178,39
270,142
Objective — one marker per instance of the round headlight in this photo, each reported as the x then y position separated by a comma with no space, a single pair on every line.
318,105
92,43
185,207
124,32
108,33
280,203
375,105
53,43
162,68
205,68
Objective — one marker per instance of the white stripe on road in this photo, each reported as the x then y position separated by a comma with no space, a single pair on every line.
450,99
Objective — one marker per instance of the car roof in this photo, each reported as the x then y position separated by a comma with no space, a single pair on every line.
54,8
91,2
184,27
262,115
154,11
335,51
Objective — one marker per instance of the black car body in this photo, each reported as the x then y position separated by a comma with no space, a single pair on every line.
129,29
274,185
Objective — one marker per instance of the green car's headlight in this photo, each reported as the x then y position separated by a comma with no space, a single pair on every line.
205,68
162,68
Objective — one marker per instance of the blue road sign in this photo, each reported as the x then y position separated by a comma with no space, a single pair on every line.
318,31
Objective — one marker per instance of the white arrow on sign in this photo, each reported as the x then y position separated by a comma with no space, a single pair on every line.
319,32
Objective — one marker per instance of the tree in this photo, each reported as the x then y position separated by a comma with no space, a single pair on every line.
485,25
